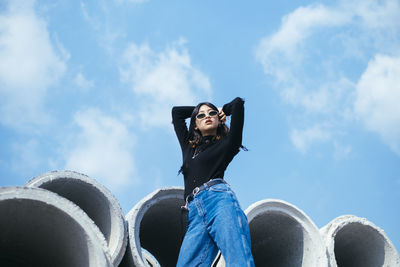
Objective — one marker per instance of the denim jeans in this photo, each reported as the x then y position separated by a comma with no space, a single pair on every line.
216,222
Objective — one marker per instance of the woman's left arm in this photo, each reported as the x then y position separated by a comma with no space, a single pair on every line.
235,109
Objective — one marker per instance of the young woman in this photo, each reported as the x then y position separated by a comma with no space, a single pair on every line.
215,219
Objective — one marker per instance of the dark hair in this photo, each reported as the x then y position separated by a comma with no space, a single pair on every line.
195,136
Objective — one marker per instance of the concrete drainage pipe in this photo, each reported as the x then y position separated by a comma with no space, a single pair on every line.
356,242
150,259
155,225
40,228
94,199
283,235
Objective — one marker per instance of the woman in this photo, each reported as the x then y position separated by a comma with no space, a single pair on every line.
215,219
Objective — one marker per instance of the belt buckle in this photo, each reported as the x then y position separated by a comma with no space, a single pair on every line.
196,191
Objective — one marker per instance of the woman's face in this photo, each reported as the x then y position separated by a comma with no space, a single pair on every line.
209,124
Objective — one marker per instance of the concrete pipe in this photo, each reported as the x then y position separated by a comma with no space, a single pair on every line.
94,199
356,242
283,235
150,259
40,228
155,225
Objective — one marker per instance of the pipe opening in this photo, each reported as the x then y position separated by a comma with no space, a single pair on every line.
359,245
95,200
161,230
277,240
35,234
89,199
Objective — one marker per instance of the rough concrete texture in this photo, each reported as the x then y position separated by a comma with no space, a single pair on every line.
42,229
283,235
94,199
150,259
155,225
356,242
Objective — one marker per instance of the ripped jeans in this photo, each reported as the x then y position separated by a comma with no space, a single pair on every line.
216,222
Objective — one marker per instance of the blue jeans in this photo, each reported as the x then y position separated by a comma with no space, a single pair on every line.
216,222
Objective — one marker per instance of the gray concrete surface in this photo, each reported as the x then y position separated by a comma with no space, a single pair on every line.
150,259
283,235
94,199
355,242
155,225
41,229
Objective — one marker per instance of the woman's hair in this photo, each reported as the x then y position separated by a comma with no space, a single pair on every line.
195,136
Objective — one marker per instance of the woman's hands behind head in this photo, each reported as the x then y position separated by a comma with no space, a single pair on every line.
221,115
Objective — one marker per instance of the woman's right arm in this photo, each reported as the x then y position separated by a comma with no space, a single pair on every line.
179,115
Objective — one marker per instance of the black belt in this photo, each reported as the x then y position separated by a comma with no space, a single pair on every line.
204,186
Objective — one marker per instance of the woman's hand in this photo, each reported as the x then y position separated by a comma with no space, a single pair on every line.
221,115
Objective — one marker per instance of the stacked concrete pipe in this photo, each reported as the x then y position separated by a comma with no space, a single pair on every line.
283,235
95,200
77,222
356,242
40,228
155,225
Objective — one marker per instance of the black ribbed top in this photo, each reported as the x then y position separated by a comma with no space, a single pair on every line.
215,156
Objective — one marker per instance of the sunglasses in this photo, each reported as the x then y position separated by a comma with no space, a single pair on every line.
212,113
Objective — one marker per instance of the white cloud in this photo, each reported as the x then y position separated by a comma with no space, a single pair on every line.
303,139
375,14
162,80
377,99
82,82
65,55
288,43
284,56
29,65
308,57
103,149
99,19
325,99
275,50
93,22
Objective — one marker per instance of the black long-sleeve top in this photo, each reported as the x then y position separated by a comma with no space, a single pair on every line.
215,156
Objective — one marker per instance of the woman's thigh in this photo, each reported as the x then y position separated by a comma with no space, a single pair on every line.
228,226
198,248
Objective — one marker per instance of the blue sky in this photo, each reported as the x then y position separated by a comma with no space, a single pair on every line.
89,86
